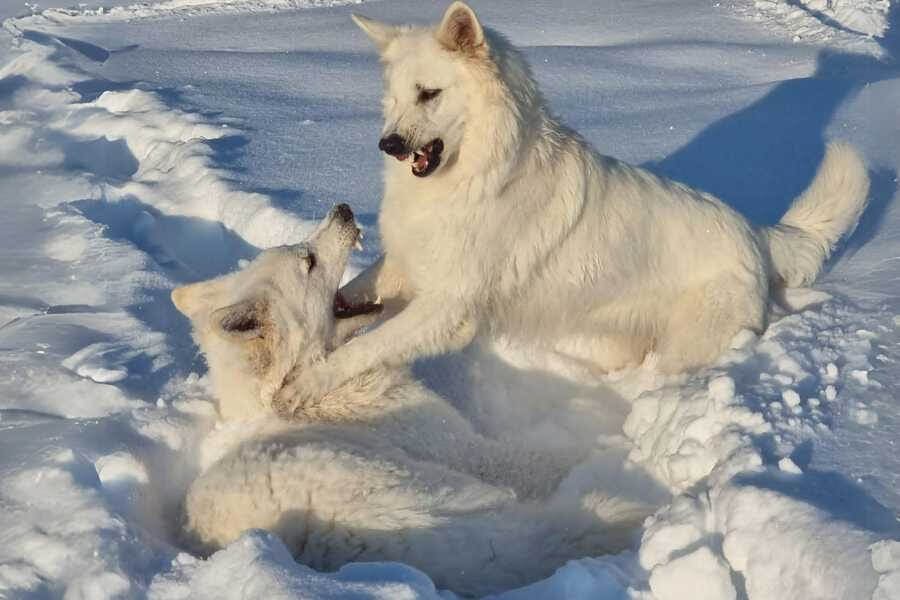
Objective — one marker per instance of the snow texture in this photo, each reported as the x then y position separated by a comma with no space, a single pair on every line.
148,146
825,20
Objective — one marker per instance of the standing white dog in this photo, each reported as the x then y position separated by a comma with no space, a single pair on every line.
497,219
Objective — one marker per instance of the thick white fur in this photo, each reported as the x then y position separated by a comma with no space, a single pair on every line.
801,243
525,232
380,468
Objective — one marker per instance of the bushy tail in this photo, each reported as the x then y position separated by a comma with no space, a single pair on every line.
801,243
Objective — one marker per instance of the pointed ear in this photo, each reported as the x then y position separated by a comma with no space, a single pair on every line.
380,33
460,29
191,299
243,320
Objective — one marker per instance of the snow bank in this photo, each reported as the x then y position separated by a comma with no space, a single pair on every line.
750,519
146,151
109,200
258,565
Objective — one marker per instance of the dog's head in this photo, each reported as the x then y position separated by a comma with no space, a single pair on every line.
452,91
276,313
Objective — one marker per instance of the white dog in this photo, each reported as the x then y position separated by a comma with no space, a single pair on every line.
381,468
497,219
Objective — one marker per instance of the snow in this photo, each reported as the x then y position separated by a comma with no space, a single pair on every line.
146,146
258,565
671,580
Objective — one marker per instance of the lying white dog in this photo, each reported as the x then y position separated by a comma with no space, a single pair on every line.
380,468
497,219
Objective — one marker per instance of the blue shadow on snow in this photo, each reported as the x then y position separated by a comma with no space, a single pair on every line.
762,157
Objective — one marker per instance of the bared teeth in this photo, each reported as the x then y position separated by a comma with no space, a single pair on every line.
420,162
424,156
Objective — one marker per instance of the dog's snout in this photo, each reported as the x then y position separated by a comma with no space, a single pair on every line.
392,144
344,213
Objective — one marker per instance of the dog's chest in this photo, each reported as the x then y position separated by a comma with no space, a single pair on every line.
427,240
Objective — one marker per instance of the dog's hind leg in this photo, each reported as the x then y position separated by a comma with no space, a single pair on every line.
703,321
600,355
614,352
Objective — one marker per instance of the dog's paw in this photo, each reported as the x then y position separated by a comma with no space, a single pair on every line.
300,392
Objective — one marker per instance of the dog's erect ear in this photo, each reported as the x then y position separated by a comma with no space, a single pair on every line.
182,298
243,320
191,299
460,29
380,33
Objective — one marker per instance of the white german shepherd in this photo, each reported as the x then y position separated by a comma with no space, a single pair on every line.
380,468
497,219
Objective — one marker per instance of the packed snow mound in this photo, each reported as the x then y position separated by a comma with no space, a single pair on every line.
258,565
731,441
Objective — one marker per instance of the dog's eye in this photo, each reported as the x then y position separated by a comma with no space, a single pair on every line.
310,260
428,94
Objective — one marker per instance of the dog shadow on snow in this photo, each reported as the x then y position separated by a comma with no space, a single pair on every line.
830,492
760,158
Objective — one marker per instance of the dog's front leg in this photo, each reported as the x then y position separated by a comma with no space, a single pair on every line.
382,285
346,328
382,280
430,324
426,327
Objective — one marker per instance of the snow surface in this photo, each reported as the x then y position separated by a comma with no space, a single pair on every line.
146,146
821,18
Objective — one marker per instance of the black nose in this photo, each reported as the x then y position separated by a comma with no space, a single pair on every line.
393,145
344,212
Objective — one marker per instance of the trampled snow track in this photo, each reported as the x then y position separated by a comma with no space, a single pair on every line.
849,22
112,195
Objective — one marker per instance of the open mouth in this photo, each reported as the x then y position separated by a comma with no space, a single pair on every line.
345,310
426,159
